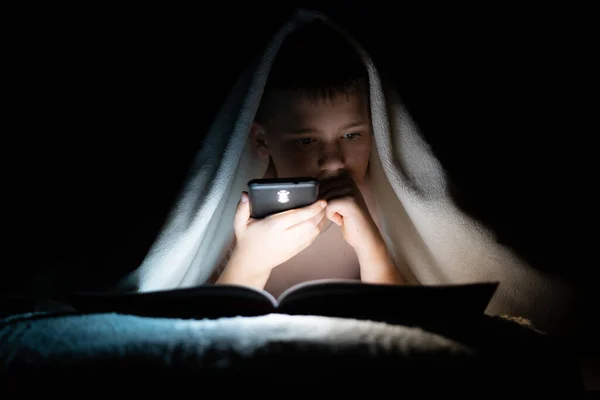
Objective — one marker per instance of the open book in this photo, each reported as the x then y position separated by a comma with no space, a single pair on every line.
334,298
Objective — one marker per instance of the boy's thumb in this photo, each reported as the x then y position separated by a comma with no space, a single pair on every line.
242,213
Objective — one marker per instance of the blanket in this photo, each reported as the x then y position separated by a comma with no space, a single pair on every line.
429,237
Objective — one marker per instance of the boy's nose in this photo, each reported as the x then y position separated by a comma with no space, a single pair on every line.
332,159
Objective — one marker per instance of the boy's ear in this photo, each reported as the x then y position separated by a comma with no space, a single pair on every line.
258,137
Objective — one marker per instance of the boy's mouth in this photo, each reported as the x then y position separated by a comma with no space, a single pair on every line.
337,186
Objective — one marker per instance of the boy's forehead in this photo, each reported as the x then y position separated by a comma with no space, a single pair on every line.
296,110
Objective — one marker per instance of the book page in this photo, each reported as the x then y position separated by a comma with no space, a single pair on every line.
204,301
313,285
353,299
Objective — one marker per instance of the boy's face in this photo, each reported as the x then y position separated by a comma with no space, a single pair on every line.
317,138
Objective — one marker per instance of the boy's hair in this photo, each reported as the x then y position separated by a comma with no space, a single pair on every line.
317,62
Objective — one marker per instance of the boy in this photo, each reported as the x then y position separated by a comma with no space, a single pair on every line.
313,120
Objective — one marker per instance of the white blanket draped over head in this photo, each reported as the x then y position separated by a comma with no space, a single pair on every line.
437,242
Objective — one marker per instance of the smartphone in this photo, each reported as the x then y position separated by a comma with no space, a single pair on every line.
274,195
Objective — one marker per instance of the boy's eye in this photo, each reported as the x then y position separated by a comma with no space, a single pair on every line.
351,136
304,141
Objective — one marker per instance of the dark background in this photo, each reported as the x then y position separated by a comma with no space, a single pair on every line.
111,105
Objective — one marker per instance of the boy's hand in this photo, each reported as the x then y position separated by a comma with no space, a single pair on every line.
263,244
347,209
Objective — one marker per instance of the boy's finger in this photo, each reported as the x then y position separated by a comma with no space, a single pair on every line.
242,213
290,218
334,216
